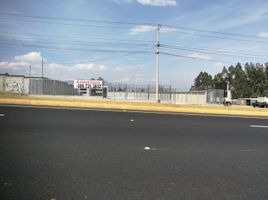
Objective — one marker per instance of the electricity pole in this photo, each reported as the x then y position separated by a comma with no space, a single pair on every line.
157,64
42,68
30,69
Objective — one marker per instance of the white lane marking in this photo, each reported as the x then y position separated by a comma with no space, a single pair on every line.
149,148
2,115
258,126
132,120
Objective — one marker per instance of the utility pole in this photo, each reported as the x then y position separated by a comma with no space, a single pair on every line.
42,76
157,64
42,68
30,69
265,79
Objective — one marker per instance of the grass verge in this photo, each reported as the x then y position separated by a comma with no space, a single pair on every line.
140,106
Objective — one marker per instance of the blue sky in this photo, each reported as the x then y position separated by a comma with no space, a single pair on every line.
25,38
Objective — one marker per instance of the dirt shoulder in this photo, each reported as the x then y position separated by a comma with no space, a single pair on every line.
139,106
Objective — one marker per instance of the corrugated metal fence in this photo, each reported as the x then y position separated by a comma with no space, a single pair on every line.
50,87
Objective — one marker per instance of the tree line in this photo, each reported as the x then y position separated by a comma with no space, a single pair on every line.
250,80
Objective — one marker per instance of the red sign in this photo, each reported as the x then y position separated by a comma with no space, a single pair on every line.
84,84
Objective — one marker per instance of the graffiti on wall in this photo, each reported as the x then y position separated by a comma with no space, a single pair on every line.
15,87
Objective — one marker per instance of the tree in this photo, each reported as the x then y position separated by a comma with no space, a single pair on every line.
248,81
256,79
203,81
238,81
220,80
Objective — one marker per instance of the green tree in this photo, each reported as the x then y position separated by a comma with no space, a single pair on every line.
238,81
256,79
248,81
220,80
203,81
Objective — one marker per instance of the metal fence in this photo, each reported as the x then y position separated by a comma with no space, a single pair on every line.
147,93
172,97
131,92
138,92
50,87
215,96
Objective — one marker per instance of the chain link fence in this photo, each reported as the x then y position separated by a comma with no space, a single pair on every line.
166,93
139,92
215,96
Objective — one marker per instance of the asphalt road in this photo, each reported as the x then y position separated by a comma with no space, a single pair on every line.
74,154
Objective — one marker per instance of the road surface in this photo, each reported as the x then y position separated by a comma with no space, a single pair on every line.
58,154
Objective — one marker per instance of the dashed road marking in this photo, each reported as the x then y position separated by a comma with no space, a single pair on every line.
258,126
149,148
2,115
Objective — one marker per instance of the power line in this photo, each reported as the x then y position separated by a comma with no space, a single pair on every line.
74,19
194,58
238,51
214,52
212,32
67,24
260,40
68,48
107,58
74,36
80,43
123,25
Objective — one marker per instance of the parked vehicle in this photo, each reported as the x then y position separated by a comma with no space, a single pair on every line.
261,102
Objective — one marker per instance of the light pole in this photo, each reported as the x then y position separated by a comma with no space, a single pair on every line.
157,64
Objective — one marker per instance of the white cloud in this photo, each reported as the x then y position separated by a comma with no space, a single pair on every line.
202,56
77,71
141,29
151,2
120,1
20,65
147,28
158,2
167,29
263,34
53,66
3,64
88,67
14,65
30,57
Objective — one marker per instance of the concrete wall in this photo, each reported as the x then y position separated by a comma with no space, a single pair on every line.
2,82
176,98
34,85
17,84
189,98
